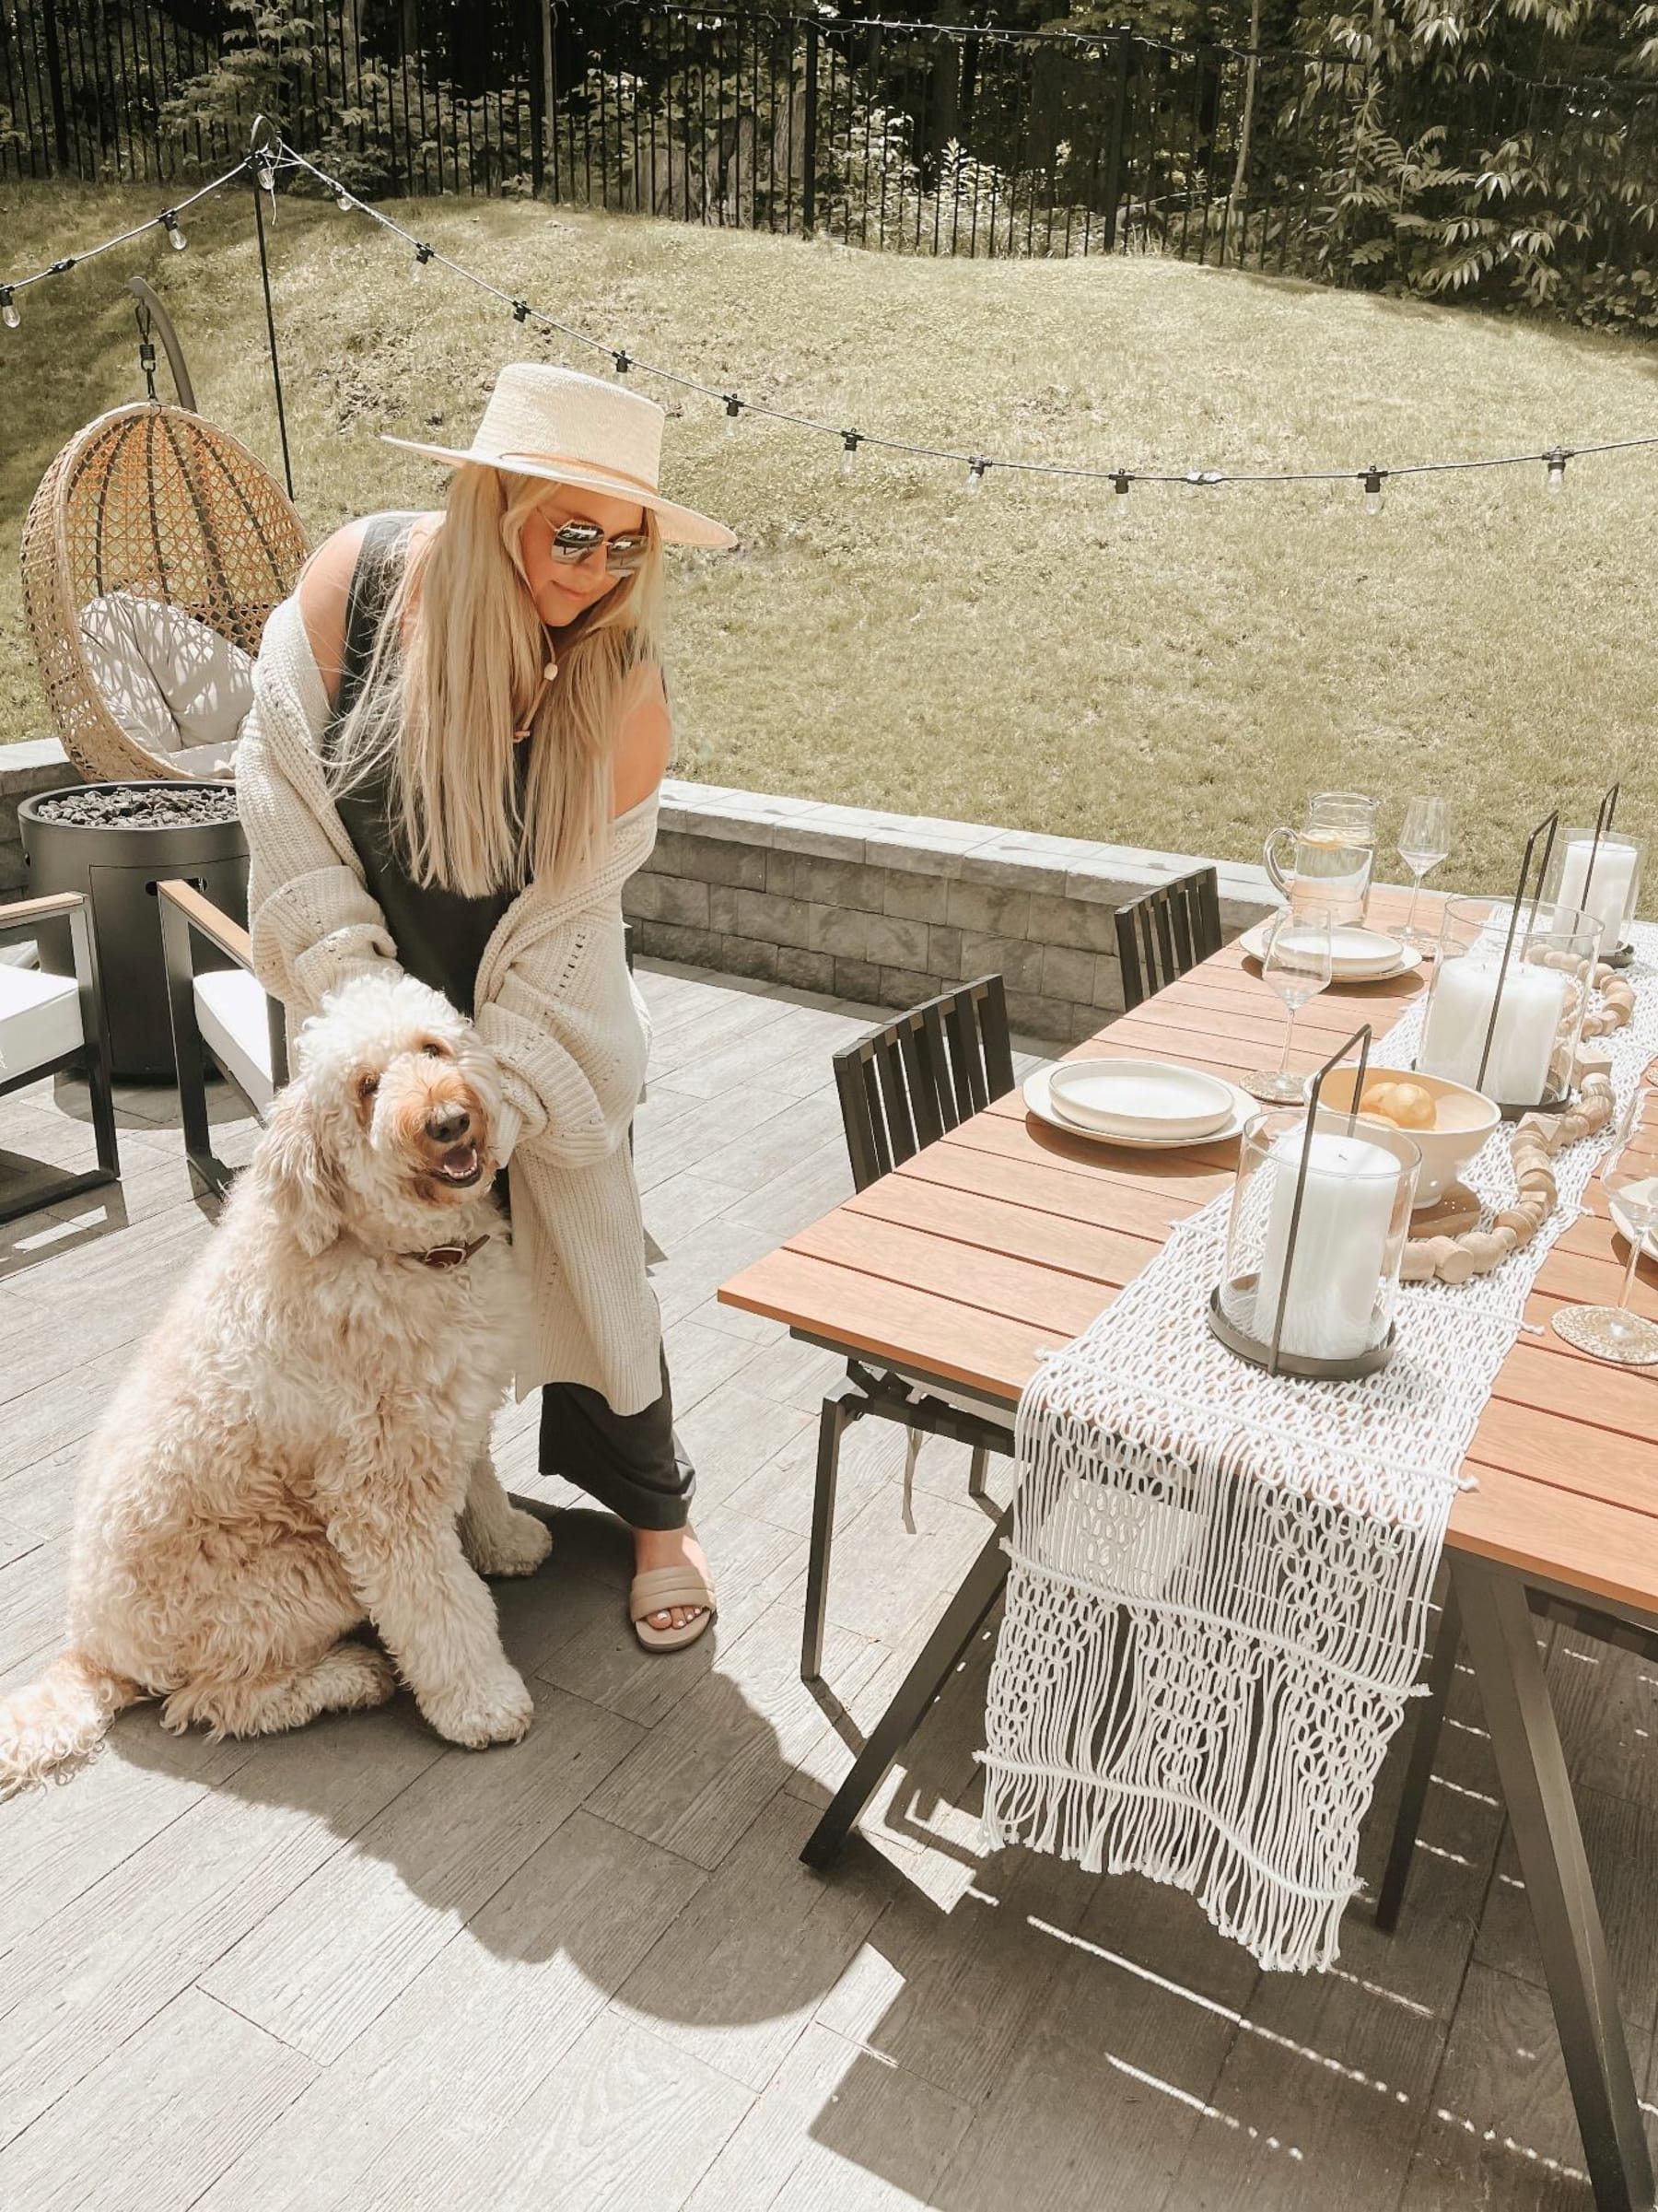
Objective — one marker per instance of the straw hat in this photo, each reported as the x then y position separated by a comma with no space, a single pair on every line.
570,429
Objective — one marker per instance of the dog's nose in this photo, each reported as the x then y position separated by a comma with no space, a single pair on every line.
448,1124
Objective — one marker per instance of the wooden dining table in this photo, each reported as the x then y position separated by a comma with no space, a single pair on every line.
1006,1237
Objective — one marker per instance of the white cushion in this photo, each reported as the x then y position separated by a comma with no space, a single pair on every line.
169,679
40,1019
231,1011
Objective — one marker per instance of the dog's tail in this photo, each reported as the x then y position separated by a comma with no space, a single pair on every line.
56,1724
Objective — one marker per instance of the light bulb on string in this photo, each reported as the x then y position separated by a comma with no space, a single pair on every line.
1119,493
265,175
850,442
8,308
521,310
1555,482
976,472
1205,478
1373,478
423,253
622,360
343,200
175,236
733,407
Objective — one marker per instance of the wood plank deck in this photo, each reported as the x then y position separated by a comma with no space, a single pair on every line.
354,1968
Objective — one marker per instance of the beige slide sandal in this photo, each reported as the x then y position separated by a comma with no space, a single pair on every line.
655,1591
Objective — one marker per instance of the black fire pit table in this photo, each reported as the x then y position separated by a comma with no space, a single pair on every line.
113,843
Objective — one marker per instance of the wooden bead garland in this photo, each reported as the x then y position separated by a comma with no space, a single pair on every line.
1534,1141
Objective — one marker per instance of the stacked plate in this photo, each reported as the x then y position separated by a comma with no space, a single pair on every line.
1153,1104
1356,956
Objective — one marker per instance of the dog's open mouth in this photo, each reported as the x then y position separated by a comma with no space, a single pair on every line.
460,1167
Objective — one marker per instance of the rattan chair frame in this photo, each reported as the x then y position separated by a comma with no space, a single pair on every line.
155,501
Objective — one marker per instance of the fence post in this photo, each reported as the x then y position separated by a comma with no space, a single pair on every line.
1114,148
54,78
809,173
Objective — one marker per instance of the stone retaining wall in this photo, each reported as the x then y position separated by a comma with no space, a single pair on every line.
37,766
891,909
886,909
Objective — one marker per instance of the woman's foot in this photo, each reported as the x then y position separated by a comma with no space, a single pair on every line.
655,1548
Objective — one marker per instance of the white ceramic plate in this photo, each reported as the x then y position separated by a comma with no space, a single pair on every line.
1139,1097
1359,962
1035,1093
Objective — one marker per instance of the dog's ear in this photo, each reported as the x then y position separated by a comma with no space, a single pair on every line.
292,1171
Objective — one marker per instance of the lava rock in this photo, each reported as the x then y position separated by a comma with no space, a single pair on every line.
141,806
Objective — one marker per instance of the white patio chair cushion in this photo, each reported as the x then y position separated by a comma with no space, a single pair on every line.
40,1019
231,1014
171,682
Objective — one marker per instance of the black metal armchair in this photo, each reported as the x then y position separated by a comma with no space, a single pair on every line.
1166,931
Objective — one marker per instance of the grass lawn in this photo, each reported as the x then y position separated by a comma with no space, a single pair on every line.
1180,679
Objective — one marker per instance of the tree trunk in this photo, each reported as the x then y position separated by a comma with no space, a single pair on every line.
1246,128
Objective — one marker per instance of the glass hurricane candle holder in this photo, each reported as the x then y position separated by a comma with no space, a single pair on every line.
1319,1221
1602,880
1506,1005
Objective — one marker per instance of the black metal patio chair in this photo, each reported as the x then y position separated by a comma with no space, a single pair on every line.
53,1024
1163,934
901,1088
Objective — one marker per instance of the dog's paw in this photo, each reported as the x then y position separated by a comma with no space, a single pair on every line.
497,1709
517,1545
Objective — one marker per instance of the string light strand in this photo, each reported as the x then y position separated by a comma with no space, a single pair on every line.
167,220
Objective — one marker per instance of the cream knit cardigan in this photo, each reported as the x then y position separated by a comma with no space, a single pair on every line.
554,1002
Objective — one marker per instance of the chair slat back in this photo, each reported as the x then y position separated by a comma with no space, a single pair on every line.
903,1087
1167,931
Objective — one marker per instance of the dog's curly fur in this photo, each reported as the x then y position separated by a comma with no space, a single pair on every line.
302,1443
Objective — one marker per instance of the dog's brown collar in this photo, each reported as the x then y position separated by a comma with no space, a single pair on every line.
450,1256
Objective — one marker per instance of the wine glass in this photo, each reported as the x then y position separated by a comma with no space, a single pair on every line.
1424,842
1612,1332
1296,964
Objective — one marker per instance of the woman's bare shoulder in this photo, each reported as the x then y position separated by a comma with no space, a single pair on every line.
645,744
324,590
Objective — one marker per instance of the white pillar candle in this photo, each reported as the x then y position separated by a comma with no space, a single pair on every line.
1340,1245
1609,886
1528,1023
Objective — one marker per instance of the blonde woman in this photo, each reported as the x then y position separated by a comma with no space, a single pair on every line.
458,732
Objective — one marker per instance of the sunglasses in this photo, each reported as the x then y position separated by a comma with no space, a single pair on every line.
625,555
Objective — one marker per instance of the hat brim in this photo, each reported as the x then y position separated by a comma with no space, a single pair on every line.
677,526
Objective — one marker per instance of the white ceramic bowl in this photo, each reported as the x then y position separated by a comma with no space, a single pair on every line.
1139,1097
1463,1121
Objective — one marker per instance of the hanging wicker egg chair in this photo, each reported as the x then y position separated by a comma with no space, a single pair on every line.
149,503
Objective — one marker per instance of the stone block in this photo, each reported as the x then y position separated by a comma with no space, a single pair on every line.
1054,1021
722,909
777,921
858,980
781,874
832,883
914,897
820,837
840,930
1071,921
807,971
1067,972
714,860
1015,959
989,909
652,897
1021,862
1107,984
912,855
892,942
943,950
671,941
904,987
749,956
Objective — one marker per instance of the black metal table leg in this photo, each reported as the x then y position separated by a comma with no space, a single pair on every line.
1502,1639
957,1627
1424,1743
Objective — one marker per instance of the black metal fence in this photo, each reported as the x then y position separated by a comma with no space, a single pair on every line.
915,137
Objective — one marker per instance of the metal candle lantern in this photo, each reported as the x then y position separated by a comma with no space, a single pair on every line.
1511,987
1319,1221
1599,872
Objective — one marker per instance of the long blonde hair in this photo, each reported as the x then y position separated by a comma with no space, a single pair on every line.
458,668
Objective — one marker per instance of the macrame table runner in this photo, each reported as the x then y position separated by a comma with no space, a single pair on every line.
1218,1579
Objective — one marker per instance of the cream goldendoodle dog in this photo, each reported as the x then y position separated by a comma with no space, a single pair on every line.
302,1443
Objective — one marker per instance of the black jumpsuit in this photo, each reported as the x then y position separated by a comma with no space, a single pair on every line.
632,1463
